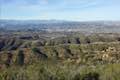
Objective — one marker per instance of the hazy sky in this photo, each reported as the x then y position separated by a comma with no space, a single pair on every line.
82,10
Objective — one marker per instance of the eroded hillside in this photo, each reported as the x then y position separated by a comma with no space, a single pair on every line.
67,48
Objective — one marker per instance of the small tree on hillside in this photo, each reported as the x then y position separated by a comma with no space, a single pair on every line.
20,58
9,59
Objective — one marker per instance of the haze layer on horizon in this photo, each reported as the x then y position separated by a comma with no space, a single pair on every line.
77,10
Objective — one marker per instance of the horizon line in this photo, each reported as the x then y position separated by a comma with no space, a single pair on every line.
56,20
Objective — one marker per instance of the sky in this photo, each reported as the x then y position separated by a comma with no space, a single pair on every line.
76,10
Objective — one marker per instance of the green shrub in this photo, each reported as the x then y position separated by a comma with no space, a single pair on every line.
20,58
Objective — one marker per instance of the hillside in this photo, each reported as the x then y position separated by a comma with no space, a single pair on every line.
40,54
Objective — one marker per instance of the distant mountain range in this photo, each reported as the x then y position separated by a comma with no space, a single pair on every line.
61,25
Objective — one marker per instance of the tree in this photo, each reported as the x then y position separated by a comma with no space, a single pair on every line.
9,59
87,40
20,58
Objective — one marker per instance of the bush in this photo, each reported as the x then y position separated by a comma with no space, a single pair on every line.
20,58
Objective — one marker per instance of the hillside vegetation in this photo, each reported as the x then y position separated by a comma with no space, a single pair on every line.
59,56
